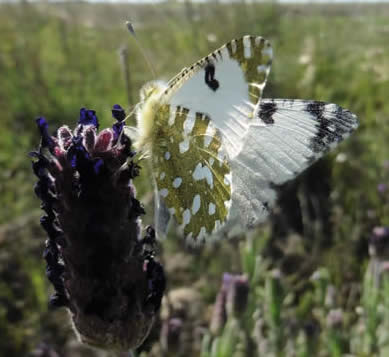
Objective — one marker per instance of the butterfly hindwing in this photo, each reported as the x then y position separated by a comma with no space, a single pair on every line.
225,85
191,171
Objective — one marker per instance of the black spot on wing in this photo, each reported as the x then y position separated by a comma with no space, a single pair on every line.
266,111
333,123
210,77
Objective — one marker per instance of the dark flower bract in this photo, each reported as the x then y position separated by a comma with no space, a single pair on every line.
100,267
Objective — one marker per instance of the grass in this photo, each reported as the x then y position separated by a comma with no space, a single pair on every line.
314,290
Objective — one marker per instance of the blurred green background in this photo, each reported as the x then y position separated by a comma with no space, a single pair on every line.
316,285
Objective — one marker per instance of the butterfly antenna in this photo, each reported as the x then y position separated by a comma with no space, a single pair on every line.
132,32
132,112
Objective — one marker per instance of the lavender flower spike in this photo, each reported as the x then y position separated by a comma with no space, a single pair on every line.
230,301
102,271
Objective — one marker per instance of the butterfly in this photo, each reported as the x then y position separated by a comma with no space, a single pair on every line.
217,149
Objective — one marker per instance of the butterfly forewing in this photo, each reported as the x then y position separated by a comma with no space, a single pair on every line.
289,136
295,133
191,171
226,86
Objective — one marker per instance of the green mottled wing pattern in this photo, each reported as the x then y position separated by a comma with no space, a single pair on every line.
255,67
191,171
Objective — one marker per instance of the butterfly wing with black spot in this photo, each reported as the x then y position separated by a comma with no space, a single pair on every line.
288,136
226,86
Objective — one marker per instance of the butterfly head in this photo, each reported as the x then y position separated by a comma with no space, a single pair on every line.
150,102
151,89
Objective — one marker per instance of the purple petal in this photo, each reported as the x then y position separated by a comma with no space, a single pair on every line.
98,165
117,129
88,117
77,152
118,113
43,127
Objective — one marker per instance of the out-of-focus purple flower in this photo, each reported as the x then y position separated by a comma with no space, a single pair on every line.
380,234
231,300
379,241
101,268
382,188
219,314
237,296
171,335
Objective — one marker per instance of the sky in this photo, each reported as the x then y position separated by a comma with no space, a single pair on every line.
150,1
155,1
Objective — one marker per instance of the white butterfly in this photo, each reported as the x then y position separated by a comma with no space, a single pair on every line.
217,148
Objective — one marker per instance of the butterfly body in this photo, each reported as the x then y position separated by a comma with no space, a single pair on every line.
217,149
147,114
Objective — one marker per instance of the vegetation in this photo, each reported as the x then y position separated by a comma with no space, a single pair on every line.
316,274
